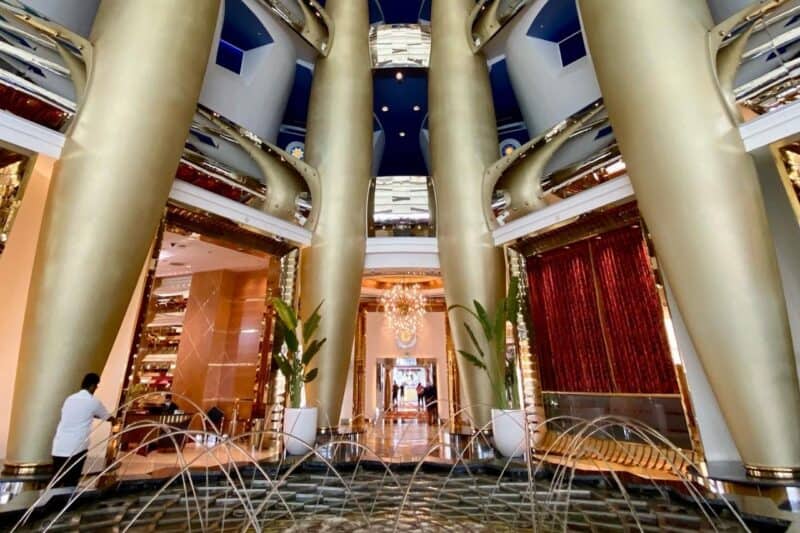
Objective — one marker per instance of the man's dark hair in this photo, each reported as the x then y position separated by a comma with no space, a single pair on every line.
90,380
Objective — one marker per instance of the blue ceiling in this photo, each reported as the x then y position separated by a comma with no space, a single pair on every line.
402,154
241,27
556,21
399,11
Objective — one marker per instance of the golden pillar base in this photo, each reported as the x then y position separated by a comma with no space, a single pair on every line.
27,469
773,472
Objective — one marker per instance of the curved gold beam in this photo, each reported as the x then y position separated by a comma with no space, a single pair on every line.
286,176
520,173
339,146
315,27
699,193
106,201
79,69
726,54
488,17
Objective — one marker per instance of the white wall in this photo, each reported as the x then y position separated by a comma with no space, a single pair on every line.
546,92
256,98
76,15
431,343
717,440
113,375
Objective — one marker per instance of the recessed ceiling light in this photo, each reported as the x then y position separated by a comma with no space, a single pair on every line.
402,134
398,76
416,108
385,108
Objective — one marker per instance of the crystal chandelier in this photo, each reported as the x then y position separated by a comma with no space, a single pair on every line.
405,308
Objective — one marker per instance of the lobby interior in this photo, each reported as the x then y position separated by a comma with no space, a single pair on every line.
554,246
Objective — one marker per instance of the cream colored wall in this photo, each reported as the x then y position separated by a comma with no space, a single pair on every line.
430,343
16,264
113,375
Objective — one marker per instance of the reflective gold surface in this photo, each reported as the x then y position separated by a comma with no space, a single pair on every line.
519,174
463,143
339,145
284,183
105,202
698,191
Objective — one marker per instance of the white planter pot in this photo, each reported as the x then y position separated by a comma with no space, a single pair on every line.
508,427
300,429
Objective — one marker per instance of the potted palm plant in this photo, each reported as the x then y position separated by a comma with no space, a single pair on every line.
299,423
508,420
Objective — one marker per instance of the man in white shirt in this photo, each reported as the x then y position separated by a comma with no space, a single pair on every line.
72,435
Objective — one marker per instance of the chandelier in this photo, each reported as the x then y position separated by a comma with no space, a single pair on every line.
405,308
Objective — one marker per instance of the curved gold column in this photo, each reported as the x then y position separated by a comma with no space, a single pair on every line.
339,145
463,144
698,191
105,202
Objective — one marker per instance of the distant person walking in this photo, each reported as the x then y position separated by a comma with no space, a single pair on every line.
72,435
430,404
395,390
420,396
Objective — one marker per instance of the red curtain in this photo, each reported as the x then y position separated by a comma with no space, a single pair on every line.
597,318
568,334
639,352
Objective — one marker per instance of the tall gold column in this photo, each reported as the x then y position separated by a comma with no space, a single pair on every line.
339,145
105,202
463,143
698,190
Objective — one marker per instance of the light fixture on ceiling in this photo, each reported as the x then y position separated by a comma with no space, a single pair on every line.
405,308
398,76
416,108
402,134
385,108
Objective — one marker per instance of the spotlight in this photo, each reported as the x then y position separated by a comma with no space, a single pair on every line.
398,76
416,108
402,134
385,108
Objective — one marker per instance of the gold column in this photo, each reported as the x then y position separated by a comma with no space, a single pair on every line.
463,143
105,202
698,190
360,369
339,145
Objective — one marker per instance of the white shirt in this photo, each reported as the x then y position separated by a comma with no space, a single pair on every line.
77,413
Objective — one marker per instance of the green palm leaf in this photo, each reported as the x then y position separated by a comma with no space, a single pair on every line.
312,350
285,313
472,359
474,341
483,318
312,374
310,325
